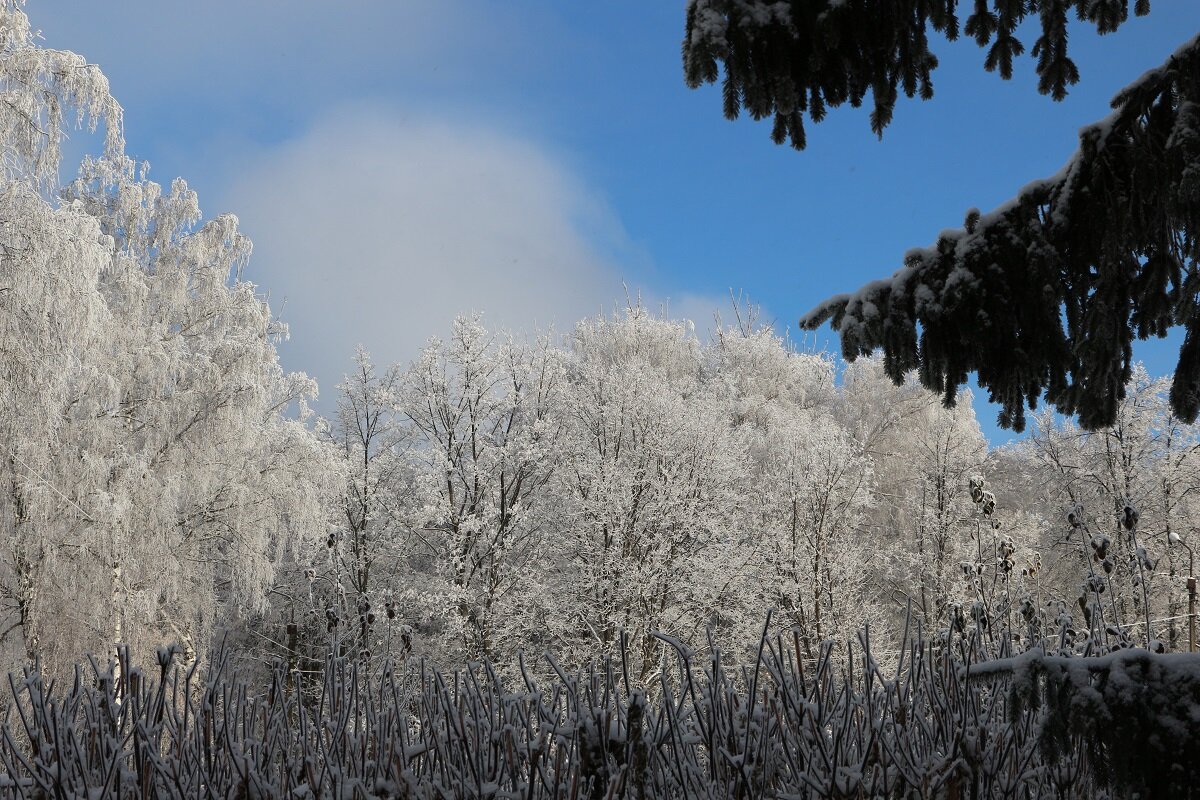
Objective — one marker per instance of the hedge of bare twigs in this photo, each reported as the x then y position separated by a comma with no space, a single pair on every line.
935,726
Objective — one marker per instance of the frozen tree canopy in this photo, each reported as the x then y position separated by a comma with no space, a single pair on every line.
1044,295
153,475
782,59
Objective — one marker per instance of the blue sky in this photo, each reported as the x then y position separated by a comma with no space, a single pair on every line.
400,161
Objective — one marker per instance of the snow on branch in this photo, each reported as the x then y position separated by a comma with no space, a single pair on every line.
782,59
39,88
1044,295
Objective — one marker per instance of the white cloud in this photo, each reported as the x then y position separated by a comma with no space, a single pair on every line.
379,229
369,227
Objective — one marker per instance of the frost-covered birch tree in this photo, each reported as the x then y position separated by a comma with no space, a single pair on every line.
650,481
51,314
814,485
935,524
480,408
347,590
158,460
810,483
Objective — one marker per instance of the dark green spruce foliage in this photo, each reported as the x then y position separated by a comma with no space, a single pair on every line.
1134,717
1044,295
782,59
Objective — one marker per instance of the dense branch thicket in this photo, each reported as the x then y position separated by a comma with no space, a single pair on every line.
1045,294
782,59
941,724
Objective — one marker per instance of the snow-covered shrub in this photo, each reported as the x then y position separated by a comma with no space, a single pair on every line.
1132,716
936,726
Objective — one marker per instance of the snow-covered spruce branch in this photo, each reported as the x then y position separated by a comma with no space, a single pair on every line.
781,60
1108,245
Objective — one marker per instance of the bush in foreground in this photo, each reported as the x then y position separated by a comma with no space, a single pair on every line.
940,725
